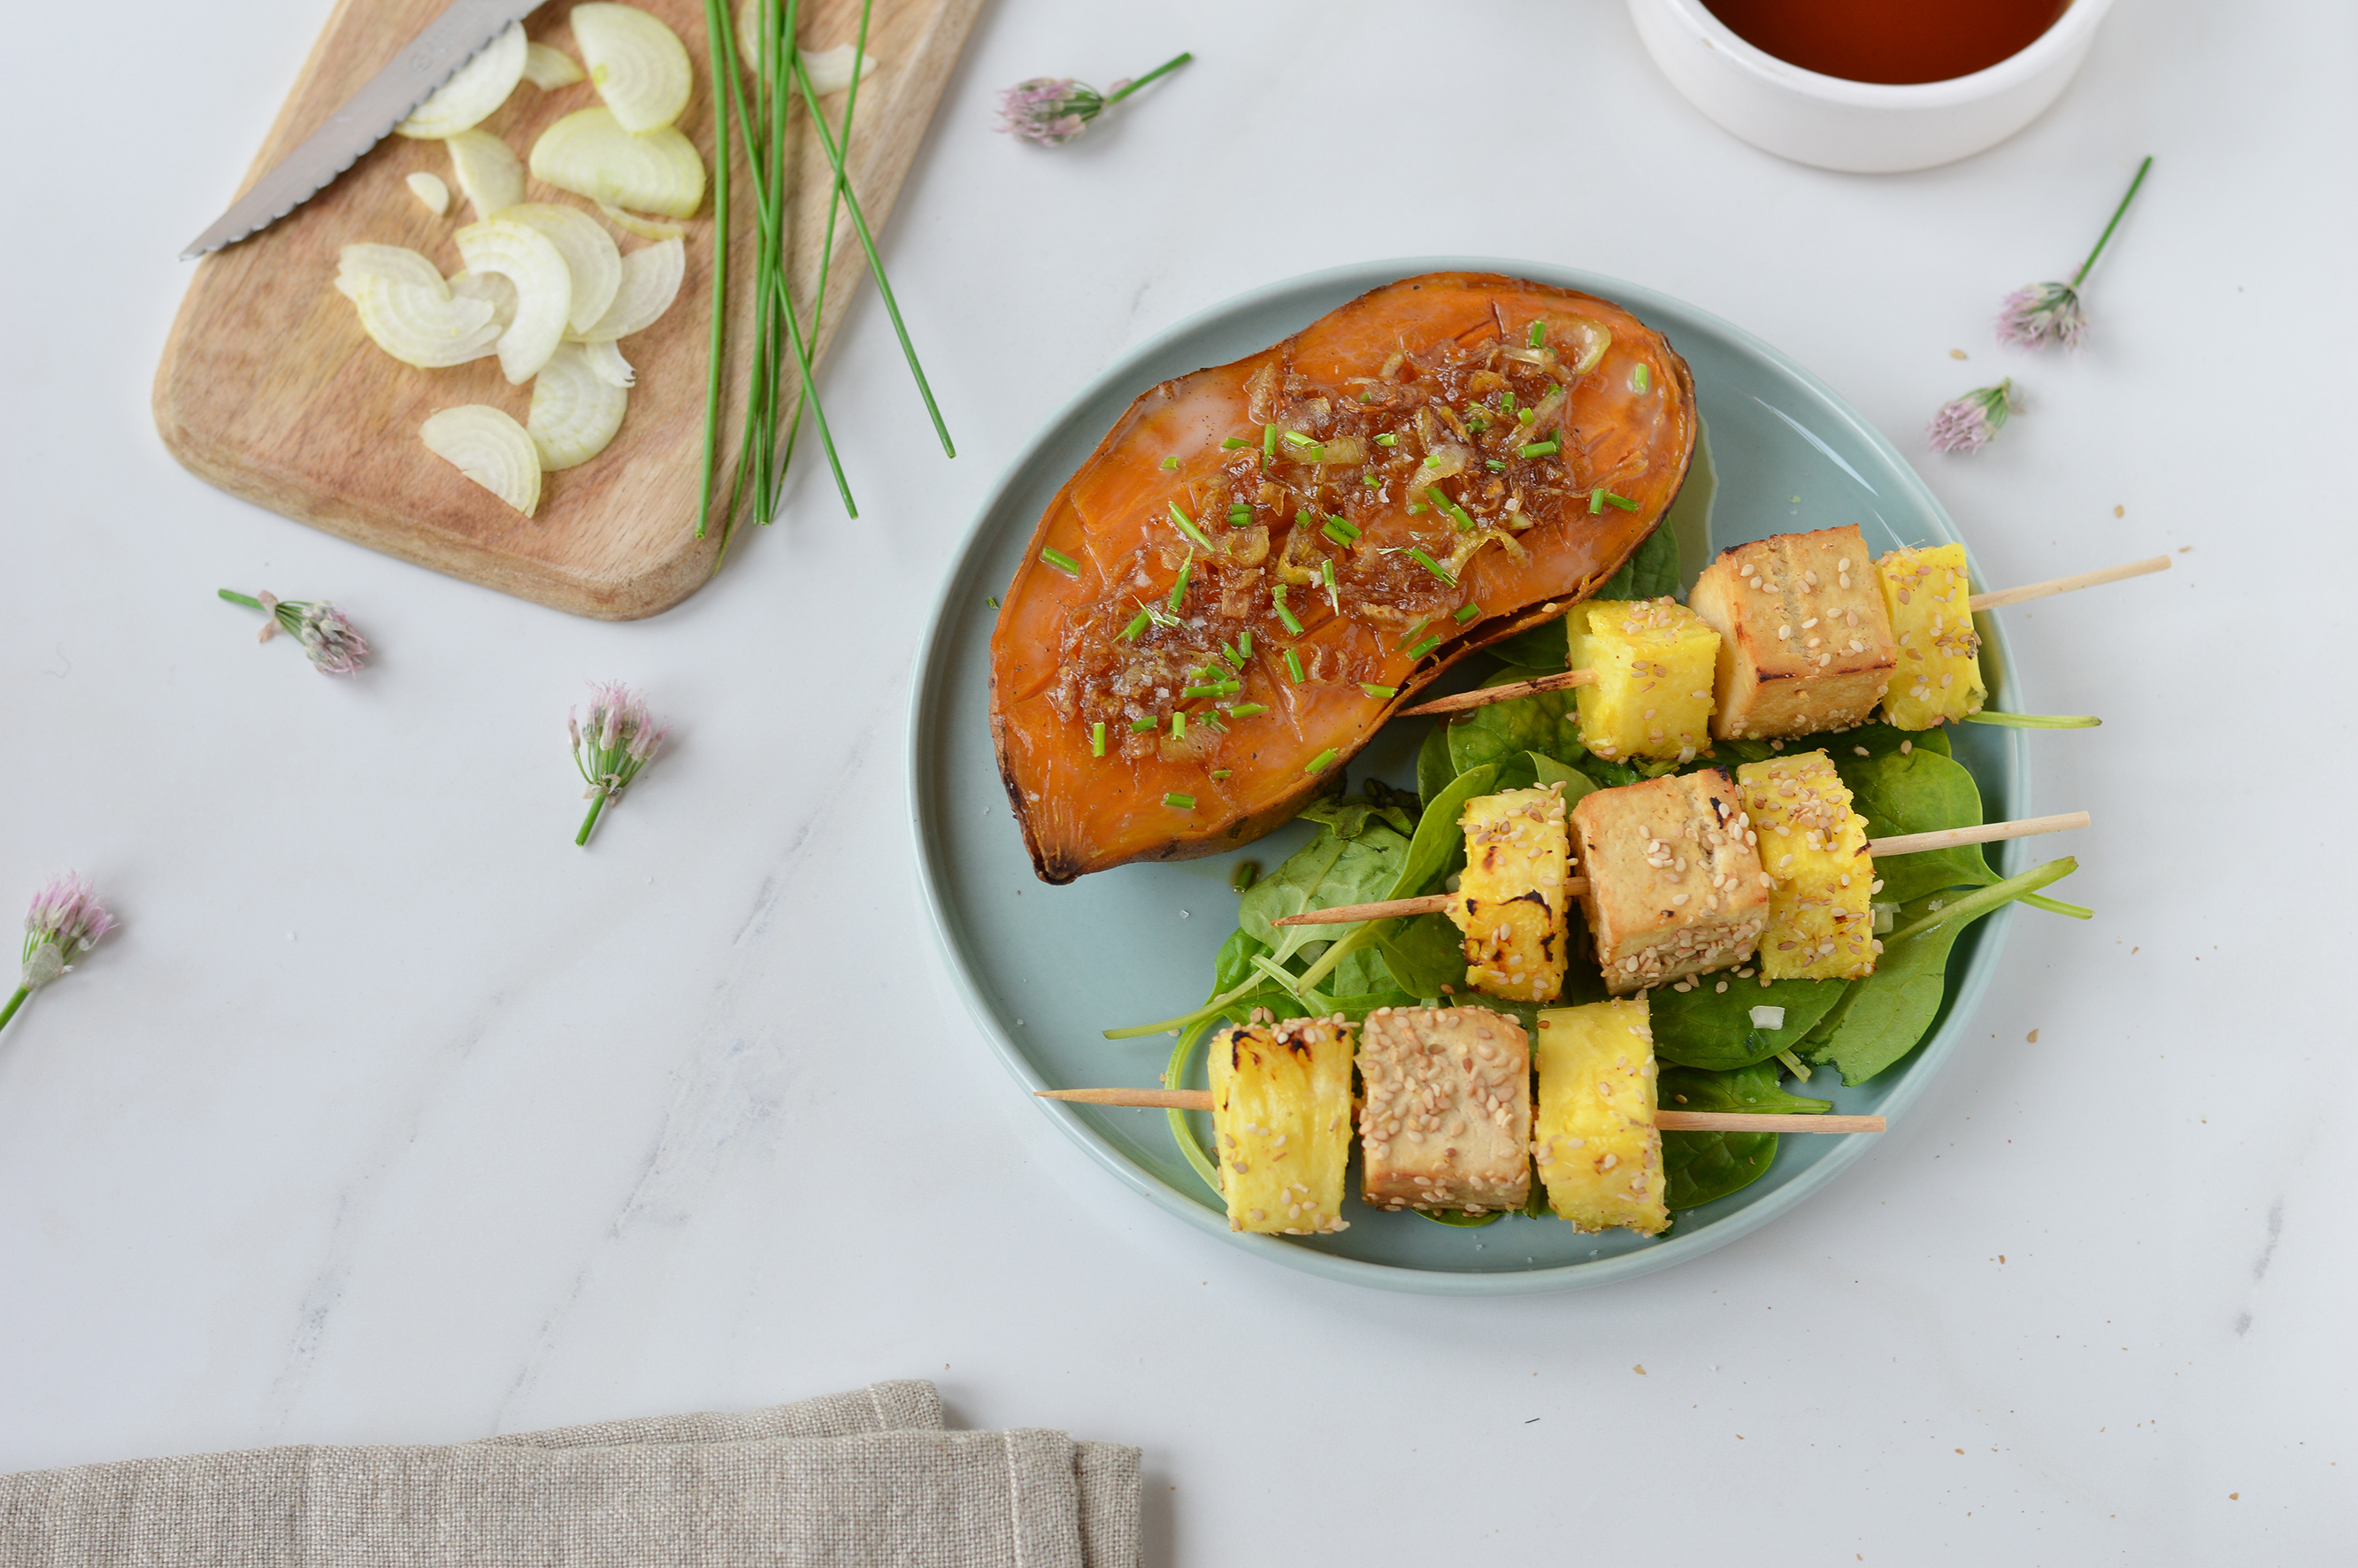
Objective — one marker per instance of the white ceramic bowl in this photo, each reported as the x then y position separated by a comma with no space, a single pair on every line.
1863,127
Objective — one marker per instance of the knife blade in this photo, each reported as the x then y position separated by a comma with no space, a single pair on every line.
462,32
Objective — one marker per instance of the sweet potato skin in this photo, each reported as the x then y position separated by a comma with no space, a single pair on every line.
1430,360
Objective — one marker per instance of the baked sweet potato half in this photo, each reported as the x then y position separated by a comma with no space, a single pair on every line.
1261,561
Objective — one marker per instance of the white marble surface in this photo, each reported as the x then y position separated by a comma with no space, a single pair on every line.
389,1115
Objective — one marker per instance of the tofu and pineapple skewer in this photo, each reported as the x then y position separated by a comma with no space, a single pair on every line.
1805,634
1448,1121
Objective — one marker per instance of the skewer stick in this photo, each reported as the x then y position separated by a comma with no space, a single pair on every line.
1507,693
1666,1121
1899,843
2066,584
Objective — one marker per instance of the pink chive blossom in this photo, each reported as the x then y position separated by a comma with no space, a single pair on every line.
2045,313
1967,424
329,641
1052,110
612,742
64,920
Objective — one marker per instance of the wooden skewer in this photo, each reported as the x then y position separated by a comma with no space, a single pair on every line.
1487,695
1899,843
1667,1120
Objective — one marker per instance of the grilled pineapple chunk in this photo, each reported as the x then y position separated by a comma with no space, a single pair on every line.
1282,1119
1595,1145
1653,660
1805,639
1448,1121
1673,887
1510,901
1940,676
1813,848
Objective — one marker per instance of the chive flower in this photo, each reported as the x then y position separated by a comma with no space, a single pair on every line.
1052,110
64,920
617,739
2044,313
330,640
1967,424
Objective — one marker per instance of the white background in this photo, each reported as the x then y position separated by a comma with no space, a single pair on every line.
390,1116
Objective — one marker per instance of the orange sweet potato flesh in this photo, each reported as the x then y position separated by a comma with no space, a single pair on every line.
1444,366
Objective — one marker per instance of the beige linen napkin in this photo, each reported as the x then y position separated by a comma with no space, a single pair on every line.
847,1481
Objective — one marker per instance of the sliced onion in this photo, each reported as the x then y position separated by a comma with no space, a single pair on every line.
638,65
590,154
830,69
396,262
590,254
481,85
424,327
544,286
488,170
651,280
644,228
575,411
605,359
491,448
429,189
491,288
549,67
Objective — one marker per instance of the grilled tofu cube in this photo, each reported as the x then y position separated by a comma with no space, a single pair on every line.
1448,1122
1595,1146
1655,663
1282,1119
1804,641
1940,676
1814,847
1674,886
1510,901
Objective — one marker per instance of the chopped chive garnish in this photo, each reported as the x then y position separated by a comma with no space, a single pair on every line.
1596,501
1296,439
1414,507
1426,646
1244,643
1527,416
1341,532
1345,524
1322,762
1219,774
1372,689
1468,614
1239,515
1387,440
1187,526
1249,709
992,600
1178,802
1506,400
1465,519
1235,660
1372,481
1233,442
1285,617
1539,333
1269,440
1546,448
1178,724
1494,465
1623,501
1170,463
1640,379
1303,518
1435,567
1293,666
1409,635
1137,625
1366,396
1189,693
1333,595
1179,588
1096,739
1058,559
1141,726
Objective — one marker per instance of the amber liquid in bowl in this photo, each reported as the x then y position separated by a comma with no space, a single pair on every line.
1894,41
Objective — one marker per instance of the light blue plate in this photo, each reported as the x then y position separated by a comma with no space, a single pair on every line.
1046,968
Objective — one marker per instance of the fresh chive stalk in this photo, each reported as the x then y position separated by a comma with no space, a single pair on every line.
1179,587
1058,559
1178,802
1285,617
1096,739
1187,526
1137,625
1546,448
1468,614
1293,667
1322,762
1385,692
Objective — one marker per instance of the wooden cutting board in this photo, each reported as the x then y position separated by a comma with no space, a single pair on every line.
269,389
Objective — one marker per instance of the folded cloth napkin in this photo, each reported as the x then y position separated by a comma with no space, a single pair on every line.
851,1480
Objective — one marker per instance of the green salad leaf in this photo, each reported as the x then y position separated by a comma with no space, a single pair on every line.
1652,571
1917,793
1754,1088
1701,1166
1713,1028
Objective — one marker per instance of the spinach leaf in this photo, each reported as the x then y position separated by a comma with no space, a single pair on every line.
1546,770
1235,960
1545,721
1434,768
1426,955
1437,839
1755,1088
1701,1166
1915,794
1348,818
1650,572
1546,648
1710,1029
1881,1018
1329,869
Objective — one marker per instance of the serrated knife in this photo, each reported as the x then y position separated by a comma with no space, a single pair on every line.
366,118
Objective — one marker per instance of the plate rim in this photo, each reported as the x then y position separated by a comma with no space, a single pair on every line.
921,753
